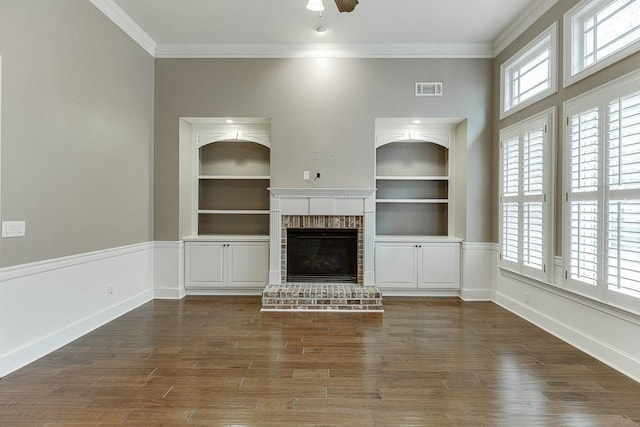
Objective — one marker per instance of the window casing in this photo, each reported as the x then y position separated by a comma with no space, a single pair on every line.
598,33
602,193
530,75
525,196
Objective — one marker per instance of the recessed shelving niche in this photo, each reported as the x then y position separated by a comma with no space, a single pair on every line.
413,180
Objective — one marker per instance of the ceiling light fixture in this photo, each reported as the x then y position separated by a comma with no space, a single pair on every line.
315,5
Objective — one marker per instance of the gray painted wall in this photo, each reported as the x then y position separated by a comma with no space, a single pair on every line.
77,131
627,65
322,118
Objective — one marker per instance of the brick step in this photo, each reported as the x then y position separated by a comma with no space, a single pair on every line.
322,297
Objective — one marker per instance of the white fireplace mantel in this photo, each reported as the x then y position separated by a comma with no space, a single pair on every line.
321,201
322,192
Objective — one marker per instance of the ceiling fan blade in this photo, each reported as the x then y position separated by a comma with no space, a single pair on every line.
346,5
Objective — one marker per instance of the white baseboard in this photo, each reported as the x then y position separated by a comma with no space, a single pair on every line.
423,293
46,305
226,292
598,333
476,294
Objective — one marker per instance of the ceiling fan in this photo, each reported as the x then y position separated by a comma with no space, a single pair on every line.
343,5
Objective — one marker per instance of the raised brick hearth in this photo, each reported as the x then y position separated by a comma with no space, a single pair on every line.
322,297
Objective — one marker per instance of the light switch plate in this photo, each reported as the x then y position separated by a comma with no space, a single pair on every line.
13,228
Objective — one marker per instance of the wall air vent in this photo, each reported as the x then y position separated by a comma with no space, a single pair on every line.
429,89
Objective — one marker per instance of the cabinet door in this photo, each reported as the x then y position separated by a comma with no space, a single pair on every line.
439,266
248,263
396,265
204,263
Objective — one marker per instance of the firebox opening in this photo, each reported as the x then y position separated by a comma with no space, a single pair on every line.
322,255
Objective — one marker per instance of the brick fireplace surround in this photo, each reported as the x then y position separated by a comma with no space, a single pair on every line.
323,222
321,208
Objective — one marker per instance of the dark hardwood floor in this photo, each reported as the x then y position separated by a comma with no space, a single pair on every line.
219,361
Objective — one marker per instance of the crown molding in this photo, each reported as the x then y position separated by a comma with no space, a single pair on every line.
327,50
521,24
126,24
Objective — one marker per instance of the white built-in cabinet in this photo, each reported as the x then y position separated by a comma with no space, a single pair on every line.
411,263
229,243
414,244
212,263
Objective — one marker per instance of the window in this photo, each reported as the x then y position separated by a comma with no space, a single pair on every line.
525,173
529,75
602,184
598,33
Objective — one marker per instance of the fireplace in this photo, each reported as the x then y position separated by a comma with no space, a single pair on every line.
322,255
326,208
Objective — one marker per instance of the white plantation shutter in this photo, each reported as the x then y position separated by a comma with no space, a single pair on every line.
525,170
510,189
533,196
583,195
511,167
584,242
510,231
623,211
602,182
533,235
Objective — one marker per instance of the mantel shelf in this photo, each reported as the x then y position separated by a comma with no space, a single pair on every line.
322,192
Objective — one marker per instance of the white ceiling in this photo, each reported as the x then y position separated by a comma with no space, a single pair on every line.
380,27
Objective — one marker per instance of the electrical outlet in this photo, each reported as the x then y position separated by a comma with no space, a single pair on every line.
305,175
110,289
526,298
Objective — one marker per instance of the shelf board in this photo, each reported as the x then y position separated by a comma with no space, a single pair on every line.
233,211
231,177
412,178
423,201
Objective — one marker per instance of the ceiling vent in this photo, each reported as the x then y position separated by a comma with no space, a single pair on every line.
429,89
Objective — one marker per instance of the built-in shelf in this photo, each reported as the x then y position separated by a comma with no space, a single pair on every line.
411,178
232,177
233,211
231,180
412,201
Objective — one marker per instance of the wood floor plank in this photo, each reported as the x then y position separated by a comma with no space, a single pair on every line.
221,362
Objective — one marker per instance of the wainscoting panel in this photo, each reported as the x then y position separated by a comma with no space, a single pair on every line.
168,270
45,305
478,263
